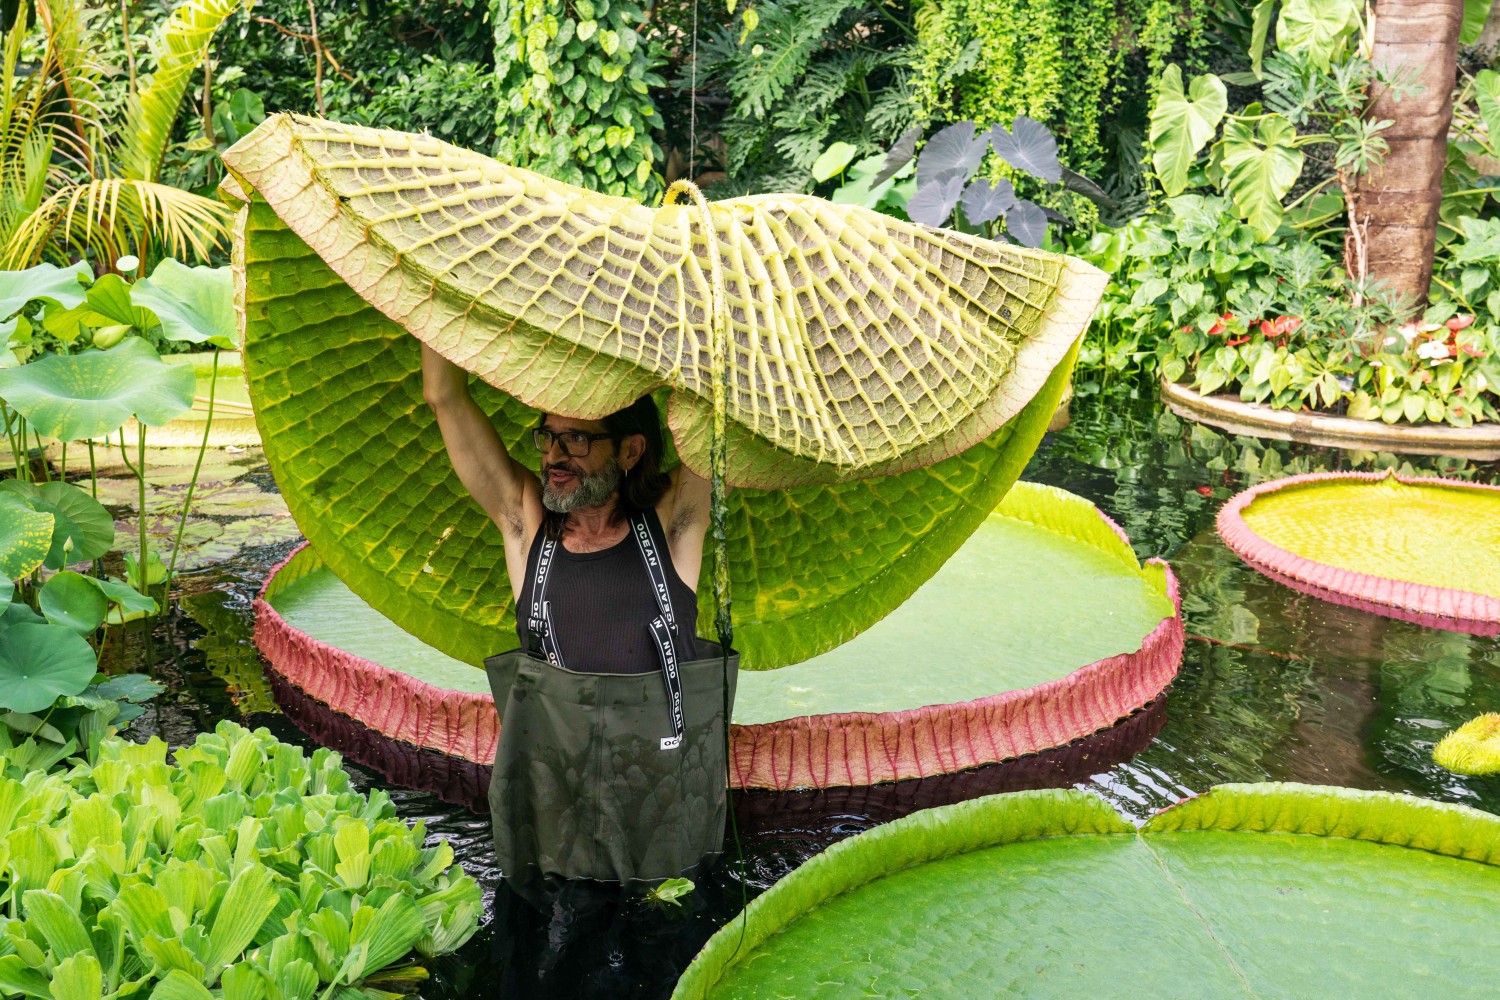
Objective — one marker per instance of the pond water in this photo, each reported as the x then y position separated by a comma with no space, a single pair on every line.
1274,685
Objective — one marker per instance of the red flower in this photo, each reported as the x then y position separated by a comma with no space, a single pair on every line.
1214,330
1458,323
1471,351
1236,341
1267,329
1280,326
1206,491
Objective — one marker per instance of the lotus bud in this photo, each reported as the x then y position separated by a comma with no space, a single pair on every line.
108,336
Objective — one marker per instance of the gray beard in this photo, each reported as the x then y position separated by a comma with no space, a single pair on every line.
593,490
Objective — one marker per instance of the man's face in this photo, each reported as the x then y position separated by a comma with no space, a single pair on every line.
574,482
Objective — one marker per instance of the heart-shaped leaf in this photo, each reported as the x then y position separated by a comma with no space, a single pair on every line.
899,156
48,282
1260,167
73,601
952,152
986,202
1027,222
833,159
1317,27
41,662
1029,146
934,203
194,304
1181,124
25,536
85,395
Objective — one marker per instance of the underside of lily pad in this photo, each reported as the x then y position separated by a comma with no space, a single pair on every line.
1270,890
888,381
965,673
1425,550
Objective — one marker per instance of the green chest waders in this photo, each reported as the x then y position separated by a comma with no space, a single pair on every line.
616,777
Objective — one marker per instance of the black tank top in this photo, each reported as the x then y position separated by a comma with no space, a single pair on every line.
602,606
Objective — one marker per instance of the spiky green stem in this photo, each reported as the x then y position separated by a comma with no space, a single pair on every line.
213,381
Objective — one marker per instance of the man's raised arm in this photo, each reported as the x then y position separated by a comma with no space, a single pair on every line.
506,489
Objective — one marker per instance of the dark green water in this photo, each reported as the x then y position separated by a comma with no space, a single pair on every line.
1274,685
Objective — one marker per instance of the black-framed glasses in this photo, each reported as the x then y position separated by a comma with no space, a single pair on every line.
575,444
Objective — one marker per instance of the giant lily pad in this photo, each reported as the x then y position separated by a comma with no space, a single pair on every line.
1248,891
88,394
964,673
864,345
1423,550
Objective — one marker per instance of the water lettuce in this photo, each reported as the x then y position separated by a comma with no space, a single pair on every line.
241,869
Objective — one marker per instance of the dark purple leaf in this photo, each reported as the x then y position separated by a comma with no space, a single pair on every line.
1027,223
1030,147
899,156
952,152
933,203
1074,181
986,202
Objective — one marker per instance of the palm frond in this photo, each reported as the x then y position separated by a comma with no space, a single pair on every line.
180,47
112,216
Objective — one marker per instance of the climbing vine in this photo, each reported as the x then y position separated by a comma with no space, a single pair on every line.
578,74
1065,63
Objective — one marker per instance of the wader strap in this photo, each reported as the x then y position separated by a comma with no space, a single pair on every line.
540,622
663,627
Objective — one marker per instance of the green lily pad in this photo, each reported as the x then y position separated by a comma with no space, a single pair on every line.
194,304
1248,891
40,662
232,498
204,542
25,536
84,395
74,601
131,687
82,529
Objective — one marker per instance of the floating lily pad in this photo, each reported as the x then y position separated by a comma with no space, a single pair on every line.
230,498
965,673
204,542
1424,550
1247,891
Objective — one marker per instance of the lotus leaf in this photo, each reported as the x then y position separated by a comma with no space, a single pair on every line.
110,302
46,282
25,536
1248,890
40,662
578,303
85,395
74,601
7,589
193,304
127,603
81,528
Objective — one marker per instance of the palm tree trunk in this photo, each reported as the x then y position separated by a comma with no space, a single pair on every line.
1395,206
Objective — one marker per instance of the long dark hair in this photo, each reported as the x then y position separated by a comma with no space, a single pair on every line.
645,483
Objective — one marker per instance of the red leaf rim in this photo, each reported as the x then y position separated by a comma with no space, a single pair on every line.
817,751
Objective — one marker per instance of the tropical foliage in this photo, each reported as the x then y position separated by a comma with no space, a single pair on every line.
242,866
69,186
575,79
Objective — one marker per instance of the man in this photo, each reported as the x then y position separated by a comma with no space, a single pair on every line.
611,759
